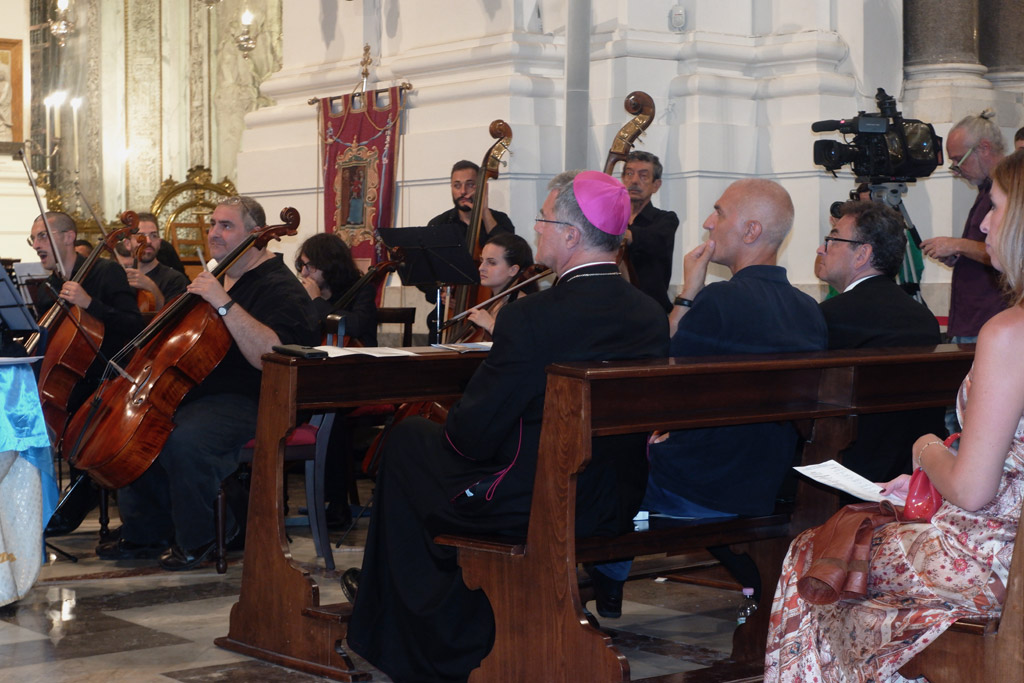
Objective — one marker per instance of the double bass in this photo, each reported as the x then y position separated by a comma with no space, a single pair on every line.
641,106
73,339
469,295
118,433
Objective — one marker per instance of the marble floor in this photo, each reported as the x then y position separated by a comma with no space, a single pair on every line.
93,621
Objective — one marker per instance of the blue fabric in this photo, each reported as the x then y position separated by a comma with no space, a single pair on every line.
22,428
738,469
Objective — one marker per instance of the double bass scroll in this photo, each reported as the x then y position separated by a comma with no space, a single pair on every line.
641,106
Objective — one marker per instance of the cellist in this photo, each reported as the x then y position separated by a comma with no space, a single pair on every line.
463,186
168,510
105,295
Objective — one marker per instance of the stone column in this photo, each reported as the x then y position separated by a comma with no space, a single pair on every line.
941,43
1000,46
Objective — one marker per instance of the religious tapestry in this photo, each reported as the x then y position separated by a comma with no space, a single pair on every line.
360,133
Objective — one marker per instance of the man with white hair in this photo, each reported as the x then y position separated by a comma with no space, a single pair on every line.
975,146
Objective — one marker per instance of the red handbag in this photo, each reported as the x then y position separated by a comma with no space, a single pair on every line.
923,499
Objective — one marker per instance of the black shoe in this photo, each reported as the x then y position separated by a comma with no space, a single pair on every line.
350,584
607,593
177,559
118,548
73,509
338,516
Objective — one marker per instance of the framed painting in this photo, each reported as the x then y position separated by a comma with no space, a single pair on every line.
11,88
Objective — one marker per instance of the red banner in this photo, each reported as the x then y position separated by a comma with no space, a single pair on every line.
360,142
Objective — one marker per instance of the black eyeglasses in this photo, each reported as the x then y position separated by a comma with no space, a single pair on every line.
841,239
540,219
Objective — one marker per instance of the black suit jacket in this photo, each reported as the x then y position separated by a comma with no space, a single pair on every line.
877,313
591,314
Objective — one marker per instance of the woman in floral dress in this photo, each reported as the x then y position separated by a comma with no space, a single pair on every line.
925,576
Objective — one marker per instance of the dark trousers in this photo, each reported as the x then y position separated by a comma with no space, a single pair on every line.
173,499
414,618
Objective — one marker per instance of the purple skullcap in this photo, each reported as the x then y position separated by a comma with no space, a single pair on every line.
604,201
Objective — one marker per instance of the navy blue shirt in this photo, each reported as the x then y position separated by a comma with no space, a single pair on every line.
738,469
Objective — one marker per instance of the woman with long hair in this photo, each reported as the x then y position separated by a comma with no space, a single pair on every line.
923,576
502,259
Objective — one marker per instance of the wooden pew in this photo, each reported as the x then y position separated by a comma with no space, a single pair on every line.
542,633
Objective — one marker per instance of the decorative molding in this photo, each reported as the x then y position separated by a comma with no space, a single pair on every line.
143,100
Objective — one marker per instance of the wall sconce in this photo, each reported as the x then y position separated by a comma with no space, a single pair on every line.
210,3
246,42
61,25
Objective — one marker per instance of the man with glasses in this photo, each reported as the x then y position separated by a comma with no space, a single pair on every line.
975,146
860,258
103,294
413,617
162,281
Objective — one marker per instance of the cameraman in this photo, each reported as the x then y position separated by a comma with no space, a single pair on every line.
975,146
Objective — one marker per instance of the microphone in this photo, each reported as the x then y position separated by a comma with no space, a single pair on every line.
827,125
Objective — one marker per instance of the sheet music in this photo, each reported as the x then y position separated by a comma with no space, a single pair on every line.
16,360
831,473
375,351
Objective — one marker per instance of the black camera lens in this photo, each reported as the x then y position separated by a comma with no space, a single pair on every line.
834,209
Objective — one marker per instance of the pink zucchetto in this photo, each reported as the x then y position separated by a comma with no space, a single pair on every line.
604,201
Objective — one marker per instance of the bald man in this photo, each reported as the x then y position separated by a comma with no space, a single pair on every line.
728,471
736,470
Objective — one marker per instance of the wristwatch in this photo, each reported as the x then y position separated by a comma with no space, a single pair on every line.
682,301
223,310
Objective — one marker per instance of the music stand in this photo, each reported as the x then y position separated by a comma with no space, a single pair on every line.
15,320
434,255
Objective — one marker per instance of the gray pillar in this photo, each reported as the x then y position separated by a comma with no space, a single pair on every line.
940,44
1001,42
577,83
940,32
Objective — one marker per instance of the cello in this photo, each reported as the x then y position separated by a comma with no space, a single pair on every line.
641,106
468,295
122,428
74,338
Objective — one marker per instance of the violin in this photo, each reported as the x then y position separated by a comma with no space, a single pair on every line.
641,106
74,339
118,433
523,279
468,295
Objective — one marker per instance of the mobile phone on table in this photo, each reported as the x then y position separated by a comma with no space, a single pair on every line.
300,351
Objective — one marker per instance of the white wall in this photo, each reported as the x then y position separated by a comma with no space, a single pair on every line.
17,205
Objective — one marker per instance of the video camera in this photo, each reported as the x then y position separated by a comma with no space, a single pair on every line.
886,147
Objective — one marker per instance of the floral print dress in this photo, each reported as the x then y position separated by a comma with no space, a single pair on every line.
923,577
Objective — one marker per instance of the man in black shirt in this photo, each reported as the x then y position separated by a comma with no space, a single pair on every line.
463,186
651,234
162,281
262,304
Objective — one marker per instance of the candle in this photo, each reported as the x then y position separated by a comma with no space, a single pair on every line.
75,104
47,102
58,103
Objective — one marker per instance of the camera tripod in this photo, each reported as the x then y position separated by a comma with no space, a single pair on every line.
892,195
